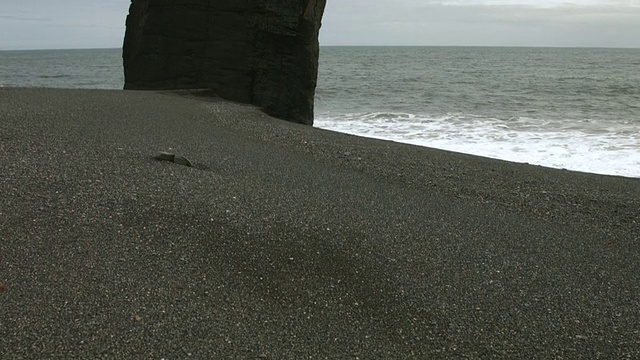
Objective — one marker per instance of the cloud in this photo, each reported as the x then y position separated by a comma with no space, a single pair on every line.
21,18
48,24
531,3
486,23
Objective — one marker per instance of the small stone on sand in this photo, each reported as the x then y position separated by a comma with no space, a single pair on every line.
165,156
181,160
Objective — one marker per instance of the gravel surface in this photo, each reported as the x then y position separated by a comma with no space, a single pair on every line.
287,242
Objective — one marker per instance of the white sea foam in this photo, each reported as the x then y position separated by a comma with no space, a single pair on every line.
589,146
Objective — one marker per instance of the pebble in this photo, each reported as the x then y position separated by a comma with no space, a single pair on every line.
171,157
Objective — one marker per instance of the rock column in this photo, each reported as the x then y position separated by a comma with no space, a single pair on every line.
262,52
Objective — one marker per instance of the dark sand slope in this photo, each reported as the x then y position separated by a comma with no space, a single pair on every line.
286,241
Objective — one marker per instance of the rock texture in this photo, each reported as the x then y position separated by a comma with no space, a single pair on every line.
262,52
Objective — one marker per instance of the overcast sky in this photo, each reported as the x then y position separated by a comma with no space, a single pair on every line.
47,24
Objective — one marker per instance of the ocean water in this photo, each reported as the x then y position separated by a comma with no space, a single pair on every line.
576,109
77,69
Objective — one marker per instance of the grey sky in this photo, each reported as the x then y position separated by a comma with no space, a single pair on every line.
33,24
502,23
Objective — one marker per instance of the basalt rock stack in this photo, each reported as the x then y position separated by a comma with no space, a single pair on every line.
262,52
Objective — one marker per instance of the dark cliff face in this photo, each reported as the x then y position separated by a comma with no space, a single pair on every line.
262,52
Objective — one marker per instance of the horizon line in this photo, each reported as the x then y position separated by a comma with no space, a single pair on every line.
380,45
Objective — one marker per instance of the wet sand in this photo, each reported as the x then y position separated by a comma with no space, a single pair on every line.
288,242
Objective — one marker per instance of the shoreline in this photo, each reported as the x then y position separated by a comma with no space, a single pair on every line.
492,155
287,241
203,94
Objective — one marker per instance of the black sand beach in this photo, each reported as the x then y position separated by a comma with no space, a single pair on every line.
288,242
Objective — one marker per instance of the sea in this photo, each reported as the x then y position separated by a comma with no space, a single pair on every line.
568,108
